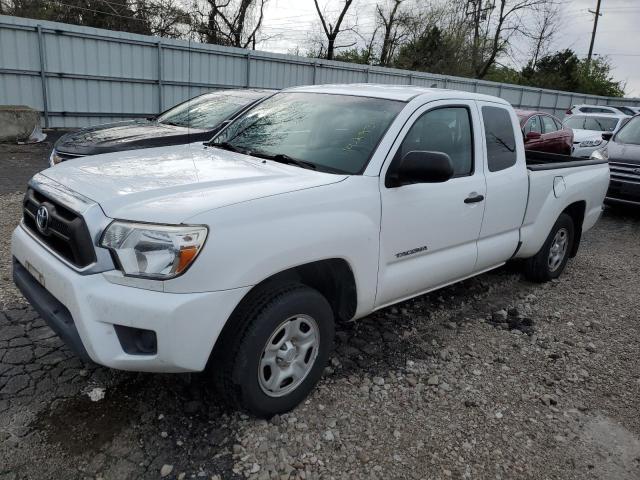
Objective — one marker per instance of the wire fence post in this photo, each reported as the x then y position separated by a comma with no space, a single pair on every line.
248,82
540,99
159,76
43,76
521,97
410,79
315,73
367,77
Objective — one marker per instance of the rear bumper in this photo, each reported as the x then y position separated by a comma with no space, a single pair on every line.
85,309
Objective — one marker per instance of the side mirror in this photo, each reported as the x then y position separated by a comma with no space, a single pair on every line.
422,167
532,136
607,136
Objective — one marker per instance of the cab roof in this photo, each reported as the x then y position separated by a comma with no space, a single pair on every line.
403,93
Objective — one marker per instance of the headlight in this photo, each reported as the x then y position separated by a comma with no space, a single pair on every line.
591,143
153,251
600,154
54,158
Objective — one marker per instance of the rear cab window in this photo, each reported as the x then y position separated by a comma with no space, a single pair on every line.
500,138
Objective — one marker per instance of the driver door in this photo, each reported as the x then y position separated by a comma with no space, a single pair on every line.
429,231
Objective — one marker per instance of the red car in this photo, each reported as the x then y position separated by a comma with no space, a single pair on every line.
545,133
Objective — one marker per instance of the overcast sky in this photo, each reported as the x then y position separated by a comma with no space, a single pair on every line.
291,24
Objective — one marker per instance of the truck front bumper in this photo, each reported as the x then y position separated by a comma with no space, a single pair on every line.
87,310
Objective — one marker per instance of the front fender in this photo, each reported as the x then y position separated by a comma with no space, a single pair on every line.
251,241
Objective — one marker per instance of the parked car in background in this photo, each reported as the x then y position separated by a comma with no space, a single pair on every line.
588,130
321,204
195,120
623,153
578,109
545,133
624,109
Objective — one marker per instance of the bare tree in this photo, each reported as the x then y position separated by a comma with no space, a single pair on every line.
231,22
165,18
332,30
493,22
542,33
391,27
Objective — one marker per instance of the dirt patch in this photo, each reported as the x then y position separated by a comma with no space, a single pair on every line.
79,425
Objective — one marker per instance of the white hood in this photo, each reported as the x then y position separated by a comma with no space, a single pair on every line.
580,135
171,184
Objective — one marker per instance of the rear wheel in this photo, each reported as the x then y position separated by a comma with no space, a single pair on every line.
276,357
552,258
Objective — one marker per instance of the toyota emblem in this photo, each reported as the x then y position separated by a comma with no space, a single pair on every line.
42,219
636,171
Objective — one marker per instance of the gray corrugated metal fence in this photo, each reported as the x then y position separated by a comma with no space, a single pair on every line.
79,76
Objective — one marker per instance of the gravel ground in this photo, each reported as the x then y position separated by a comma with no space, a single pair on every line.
495,378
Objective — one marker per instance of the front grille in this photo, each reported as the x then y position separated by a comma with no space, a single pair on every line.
626,172
66,232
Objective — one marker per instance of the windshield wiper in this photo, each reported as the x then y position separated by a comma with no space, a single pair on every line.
284,158
226,146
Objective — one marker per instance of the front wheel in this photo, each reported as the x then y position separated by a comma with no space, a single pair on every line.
274,362
552,258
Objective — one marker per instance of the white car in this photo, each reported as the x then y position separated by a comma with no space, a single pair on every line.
624,109
609,109
321,204
588,130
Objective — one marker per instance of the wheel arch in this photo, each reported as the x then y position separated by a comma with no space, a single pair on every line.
333,278
576,211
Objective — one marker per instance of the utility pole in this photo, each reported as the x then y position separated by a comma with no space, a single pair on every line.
593,34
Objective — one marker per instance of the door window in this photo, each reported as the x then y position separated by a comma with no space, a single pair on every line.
446,130
501,142
533,125
548,124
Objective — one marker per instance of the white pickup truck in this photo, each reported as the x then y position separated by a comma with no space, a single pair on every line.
320,204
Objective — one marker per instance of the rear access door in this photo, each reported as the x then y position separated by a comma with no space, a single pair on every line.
507,185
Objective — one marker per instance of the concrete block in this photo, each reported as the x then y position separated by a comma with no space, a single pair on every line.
17,122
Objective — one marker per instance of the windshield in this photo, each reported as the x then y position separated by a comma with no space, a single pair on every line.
630,133
600,124
333,132
206,111
626,110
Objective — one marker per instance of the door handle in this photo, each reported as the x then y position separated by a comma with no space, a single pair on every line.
474,199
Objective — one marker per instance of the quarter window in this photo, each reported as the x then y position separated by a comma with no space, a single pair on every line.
446,130
501,142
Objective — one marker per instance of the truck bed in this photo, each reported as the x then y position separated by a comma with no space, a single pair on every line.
551,161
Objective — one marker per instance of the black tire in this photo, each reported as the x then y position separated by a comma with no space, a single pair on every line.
236,365
538,268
